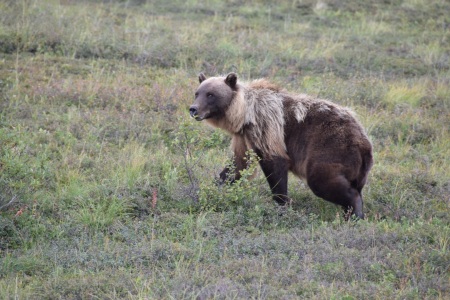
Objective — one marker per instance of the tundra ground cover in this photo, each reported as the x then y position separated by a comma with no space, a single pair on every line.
107,187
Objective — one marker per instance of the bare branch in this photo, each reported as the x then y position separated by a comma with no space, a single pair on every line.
9,203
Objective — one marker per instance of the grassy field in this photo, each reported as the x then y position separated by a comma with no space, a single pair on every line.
107,186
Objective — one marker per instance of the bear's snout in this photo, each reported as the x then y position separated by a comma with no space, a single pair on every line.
193,111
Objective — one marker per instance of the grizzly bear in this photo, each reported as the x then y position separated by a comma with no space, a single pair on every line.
317,140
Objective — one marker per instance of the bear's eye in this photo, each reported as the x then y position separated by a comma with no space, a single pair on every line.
209,95
196,94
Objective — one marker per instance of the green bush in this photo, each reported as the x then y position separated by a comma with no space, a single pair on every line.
223,196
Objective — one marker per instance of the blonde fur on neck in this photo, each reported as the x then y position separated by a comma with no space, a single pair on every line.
265,119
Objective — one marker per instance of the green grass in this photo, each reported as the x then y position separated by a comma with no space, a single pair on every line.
107,187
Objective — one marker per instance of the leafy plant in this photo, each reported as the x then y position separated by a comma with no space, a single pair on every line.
225,196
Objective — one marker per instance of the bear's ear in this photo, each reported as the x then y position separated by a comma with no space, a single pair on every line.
231,80
201,77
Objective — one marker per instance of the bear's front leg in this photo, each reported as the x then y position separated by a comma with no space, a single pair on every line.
226,177
239,163
276,171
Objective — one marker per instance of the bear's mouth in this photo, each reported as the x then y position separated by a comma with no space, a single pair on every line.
196,117
199,117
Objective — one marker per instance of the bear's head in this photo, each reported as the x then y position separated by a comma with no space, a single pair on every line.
213,97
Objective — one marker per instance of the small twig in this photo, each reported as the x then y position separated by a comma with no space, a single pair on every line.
154,197
9,203
186,158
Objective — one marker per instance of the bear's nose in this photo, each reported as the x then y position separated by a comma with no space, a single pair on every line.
193,110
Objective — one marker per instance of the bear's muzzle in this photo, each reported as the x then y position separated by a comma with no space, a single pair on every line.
193,111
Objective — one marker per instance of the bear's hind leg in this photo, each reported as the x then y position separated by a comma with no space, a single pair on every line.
355,205
276,172
337,189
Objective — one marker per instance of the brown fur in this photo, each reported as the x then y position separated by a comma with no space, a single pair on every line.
315,139
264,84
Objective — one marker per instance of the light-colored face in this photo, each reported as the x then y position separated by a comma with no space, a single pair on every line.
213,97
